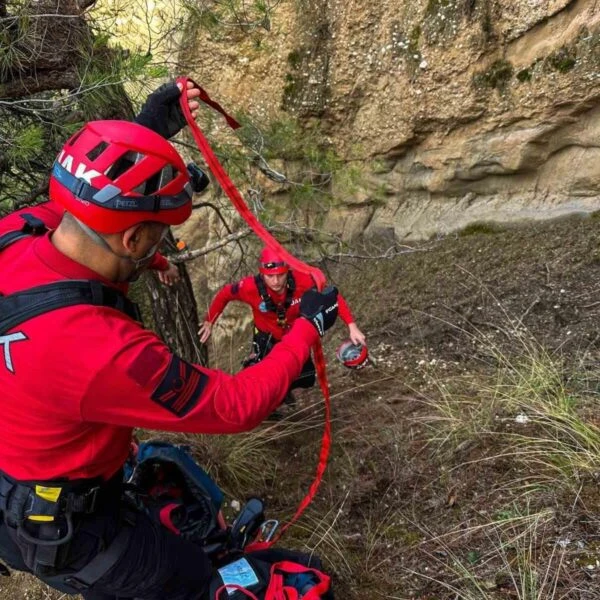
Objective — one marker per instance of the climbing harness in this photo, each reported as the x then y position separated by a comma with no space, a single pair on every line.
42,513
281,308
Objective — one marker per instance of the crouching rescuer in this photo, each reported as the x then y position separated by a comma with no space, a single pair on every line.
78,371
274,295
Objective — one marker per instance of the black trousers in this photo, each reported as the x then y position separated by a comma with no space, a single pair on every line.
155,564
262,344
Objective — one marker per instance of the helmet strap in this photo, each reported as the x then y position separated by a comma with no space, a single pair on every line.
139,263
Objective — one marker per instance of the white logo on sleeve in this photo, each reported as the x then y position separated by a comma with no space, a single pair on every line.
5,341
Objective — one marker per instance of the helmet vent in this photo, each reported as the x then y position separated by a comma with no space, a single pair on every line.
123,164
157,181
74,138
95,152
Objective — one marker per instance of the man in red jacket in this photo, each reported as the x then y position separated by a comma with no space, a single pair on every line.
274,295
76,380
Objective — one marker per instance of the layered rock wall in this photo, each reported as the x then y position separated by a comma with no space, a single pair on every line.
453,111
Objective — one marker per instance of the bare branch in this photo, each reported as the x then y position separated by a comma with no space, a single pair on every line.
269,172
188,255
41,16
31,198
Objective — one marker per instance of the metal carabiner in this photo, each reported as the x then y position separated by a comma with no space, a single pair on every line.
268,529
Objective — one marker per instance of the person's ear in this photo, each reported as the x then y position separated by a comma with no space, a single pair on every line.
132,237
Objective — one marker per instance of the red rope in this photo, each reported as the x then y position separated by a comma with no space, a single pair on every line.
237,200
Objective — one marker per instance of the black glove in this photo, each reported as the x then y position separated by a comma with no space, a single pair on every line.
161,111
320,308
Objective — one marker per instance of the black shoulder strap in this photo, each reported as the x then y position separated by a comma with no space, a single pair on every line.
21,306
262,290
291,288
32,226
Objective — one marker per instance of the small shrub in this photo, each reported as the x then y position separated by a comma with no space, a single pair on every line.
496,77
524,75
563,60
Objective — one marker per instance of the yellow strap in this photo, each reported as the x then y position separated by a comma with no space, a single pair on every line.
51,494
41,518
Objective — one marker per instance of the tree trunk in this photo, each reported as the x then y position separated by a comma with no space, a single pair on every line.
48,45
175,315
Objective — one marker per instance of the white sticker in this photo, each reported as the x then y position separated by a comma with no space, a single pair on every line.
238,573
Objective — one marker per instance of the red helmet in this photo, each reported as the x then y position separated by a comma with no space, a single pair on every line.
352,355
114,174
271,263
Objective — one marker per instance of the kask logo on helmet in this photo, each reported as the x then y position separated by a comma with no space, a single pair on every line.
82,171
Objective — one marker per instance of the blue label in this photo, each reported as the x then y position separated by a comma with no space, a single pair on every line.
238,573
262,307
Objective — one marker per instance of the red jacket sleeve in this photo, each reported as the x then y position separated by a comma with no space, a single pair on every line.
240,290
159,262
344,311
145,385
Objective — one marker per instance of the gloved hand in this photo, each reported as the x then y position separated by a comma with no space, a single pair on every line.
320,308
161,111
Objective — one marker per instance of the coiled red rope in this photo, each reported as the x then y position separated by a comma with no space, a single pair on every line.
318,277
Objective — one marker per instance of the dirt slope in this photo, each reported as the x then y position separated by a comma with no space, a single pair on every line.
398,508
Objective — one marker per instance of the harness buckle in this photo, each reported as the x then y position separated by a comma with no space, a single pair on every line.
76,583
80,189
91,497
83,503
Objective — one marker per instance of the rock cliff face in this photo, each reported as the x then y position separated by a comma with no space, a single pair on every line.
452,111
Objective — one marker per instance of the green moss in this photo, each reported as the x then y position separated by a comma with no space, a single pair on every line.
290,90
441,20
294,59
497,76
379,166
524,75
563,60
434,6
349,179
486,24
404,535
479,228
414,37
